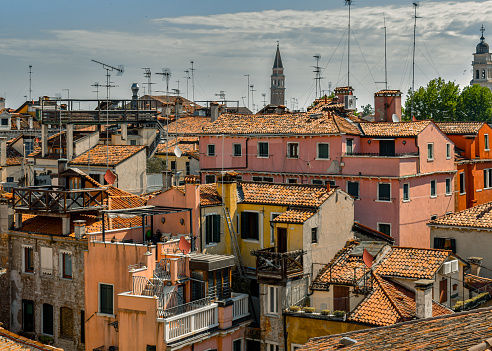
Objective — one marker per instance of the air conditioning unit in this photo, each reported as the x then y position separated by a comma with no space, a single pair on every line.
350,102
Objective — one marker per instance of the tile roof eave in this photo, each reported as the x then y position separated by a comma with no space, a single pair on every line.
270,135
437,225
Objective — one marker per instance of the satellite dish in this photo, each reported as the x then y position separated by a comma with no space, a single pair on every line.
184,245
395,118
177,151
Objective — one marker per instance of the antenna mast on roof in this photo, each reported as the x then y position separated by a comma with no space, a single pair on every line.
30,81
317,70
187,80
192,69
97,85
349,3
385,61
148,75
166,74
415,5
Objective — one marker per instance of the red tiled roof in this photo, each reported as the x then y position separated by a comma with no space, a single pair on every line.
460,127
479,216
294,216
392,129
209,196
14,158
12,342
188,125
98,155
187,145
452,332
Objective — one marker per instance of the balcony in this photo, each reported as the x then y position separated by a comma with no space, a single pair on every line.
379,154
53,199
271,265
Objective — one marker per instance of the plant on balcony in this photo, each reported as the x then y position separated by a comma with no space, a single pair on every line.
309,309
47,340
294,308
339,314
325,312
471,303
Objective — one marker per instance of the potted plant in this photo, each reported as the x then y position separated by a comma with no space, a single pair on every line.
325,312
308,309
294,308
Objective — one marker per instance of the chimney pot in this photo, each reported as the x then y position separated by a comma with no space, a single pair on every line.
423,298
475,263
79,228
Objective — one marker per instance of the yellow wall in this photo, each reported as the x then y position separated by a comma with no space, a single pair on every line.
301,329
180,162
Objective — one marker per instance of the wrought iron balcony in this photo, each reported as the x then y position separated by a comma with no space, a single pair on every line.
278,265
58,199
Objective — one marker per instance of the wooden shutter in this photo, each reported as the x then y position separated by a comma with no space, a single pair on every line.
47,319
46,261
66,322
255,229
216,228
341,298
208,229
443,291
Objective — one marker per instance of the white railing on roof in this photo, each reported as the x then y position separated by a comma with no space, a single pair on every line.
240,306
189,323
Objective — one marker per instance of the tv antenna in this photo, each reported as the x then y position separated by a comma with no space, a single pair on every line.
221,95
187,80
148,75
252,91
415,5
349,3
264,99
317,70
385,56
247,75
119,72
30,81
97,85
166,75
192,69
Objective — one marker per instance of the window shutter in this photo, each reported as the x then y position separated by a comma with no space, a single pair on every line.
244,225
46,260
216,227
453,245
255,226
208,229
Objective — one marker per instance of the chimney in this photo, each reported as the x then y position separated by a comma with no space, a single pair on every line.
214,111
6,217
423,298
387,103
62,166
167,180
135,89
79,228
178,107
3,151
340,92
31,122
475,265
2,103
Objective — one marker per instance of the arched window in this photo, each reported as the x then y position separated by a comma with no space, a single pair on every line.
483,74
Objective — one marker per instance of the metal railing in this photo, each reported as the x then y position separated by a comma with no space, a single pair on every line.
136,266
240,306
379,154
187,307
278,265
98,237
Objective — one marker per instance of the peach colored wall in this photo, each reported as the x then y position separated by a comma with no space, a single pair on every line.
108,263
400,148
376,166
221,343
432,134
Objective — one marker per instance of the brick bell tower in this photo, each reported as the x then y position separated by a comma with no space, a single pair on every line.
277,87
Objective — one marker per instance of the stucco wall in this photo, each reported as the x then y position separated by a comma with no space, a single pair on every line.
132,173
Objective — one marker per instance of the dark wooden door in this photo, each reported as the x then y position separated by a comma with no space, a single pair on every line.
443,291
341,298
281,239
387,147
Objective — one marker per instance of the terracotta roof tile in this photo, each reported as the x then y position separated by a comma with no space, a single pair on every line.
452,332
187,145
479,216
460,127
14,158
188,125
294,216
209,196
12,342
98,155
391,129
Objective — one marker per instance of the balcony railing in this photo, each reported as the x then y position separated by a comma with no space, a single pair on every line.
378,154
56,199
276,265
189,323
180,309
240,306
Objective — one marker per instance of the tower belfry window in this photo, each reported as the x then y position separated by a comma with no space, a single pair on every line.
483,74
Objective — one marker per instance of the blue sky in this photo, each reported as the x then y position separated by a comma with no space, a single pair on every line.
228,39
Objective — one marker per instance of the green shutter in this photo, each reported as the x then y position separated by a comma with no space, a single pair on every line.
208,230
216,228
255,229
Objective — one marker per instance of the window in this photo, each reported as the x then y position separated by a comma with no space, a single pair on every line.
66,264
317,182
267,179
384,192
486,142
353,189
406,191
212,228
133,142
443,290
211,150
263,149
10,179
28,259
386,148
433,188
257,179
262,179
272,299
487,178
250,225
384,228
187,166
5,122
47,319
151,348
105,298
448,186
209,178
350,146
46,260
430,151
292,180
477,74
272,227
462,183
237,150
66,323
271,347
295,347
293,150
448,151
433,217
323,151
237,345
173,165
483,74
445,244
314,235
82,327
331,182
28,315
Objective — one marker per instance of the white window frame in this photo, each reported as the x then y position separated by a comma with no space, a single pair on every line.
464,182
205,226
486,142
450,187
317,151
242,343
319,180
486,178
208,150
99,301
66,252
430,155
24,246
435,188
45,271
351,146
403,195
289,181
294,347
269,306
271,343
288,150
234,150
260,229
448,151
391,229
258,149
377,199
272,227
358,188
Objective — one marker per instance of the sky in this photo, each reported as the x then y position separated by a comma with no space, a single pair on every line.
227,40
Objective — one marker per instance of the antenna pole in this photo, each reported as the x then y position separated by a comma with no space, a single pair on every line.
349,3
30,89
413,56
385,60
247,75
192,69
317,70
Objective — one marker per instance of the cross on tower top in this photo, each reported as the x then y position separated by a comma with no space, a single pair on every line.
482,29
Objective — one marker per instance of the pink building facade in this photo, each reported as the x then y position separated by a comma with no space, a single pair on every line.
401,174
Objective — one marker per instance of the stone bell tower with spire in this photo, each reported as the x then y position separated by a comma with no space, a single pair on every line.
277,87
482,64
